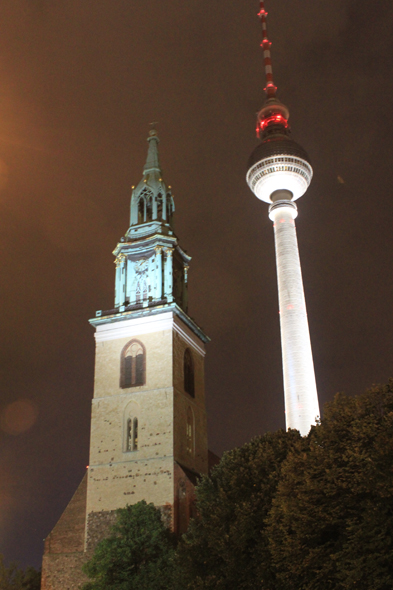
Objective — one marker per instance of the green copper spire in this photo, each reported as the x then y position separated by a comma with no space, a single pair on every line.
151,200
152,161
151,267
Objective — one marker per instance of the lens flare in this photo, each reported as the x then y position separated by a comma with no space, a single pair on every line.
18,416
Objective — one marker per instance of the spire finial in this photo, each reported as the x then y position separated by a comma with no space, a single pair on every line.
153,130
265,44
152,161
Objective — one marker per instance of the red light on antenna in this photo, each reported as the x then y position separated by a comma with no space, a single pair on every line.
275,119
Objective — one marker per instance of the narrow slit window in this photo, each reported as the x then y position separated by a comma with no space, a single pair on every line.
189,377
128,370
135,435
141,210
139,375
129,435
190,432
159,207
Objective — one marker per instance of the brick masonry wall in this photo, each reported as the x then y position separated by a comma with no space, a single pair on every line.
117,476
64,546
63,571
184,505
162,470
64,552
98,527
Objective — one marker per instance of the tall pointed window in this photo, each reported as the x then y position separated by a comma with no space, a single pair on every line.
133,365
159,207
188,369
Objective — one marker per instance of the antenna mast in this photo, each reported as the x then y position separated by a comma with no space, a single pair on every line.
266,44
273,116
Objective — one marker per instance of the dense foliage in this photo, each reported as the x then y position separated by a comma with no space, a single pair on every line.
14,577
313,513
226,546
283,512
137,555
331,526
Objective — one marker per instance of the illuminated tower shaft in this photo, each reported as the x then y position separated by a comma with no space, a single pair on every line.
279,173
301,400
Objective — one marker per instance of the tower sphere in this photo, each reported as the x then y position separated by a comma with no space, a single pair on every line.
277,164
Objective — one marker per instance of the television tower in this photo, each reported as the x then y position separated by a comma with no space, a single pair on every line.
279,172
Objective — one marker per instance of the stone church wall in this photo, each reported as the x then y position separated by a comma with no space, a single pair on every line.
64,546
66,550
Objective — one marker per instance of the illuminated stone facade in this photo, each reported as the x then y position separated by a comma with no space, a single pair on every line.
148,423
121,473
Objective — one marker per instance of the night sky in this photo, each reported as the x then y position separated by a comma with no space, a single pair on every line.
80,80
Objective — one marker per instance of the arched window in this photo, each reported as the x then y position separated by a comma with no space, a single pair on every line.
188,368
133,365
130,437
190,432
141,210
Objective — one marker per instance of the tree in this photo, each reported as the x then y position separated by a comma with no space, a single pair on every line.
15,578
137,555
226,546
31,579
331,525
283,512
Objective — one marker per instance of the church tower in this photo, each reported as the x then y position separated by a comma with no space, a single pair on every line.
148,421
148,426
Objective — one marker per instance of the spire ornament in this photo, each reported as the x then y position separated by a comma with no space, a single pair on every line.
151,199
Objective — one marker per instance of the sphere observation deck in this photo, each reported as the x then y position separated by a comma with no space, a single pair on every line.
276,164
